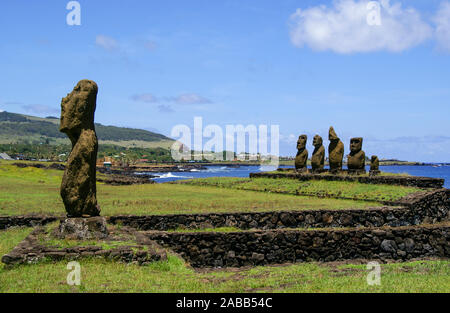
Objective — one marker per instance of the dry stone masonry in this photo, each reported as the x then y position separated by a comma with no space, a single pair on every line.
218,249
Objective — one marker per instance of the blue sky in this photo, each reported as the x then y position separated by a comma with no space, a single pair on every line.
161,63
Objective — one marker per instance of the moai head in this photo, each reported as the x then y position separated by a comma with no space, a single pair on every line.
317,141
301,142
356,144
332,135
78,107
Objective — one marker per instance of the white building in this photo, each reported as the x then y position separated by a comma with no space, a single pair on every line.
4,156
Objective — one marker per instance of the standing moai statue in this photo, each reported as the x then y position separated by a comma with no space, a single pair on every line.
78,189
302,154
374,163
318,156
357,158
335,151
374,166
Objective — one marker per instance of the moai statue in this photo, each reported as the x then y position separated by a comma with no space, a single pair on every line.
318,156
374,163
374,166
357,158
335,151
302,154
78,189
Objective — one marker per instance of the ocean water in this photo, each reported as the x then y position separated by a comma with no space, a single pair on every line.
244,171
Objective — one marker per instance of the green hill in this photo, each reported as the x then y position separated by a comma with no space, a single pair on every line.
16,128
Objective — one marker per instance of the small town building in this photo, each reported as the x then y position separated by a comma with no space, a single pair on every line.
4,156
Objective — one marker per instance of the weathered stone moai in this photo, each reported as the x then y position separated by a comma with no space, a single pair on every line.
335,151
302,154
357,158
78,189
318,156
374,166
374,163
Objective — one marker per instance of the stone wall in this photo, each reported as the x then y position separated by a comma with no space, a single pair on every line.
217,249
432,207
412,181
31,250
25,221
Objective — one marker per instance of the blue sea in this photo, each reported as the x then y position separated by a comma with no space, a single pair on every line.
244,171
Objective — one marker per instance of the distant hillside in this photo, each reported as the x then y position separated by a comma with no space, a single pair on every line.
19,128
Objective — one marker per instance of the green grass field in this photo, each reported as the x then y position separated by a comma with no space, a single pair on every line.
353,190
32,190
174,275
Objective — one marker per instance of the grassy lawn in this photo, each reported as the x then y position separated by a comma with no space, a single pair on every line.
174,276
352,190
32,190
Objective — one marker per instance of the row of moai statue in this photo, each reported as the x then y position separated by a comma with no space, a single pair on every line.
356,161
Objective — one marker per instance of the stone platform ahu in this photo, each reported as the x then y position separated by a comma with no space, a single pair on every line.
78,187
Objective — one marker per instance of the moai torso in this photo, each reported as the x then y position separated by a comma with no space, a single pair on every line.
301,158
335,151
78,187
318,156
374,163
357,158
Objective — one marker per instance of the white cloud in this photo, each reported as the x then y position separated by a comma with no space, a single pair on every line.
107,43
40,108
290,139
191,98
442,21
145,97
343,28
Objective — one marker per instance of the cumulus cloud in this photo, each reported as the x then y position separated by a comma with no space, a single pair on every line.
107,43
344,27
290,139
165,104
145,97
191,98
442,22
39,108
